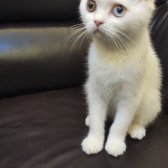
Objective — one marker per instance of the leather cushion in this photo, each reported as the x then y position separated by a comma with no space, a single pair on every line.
45,130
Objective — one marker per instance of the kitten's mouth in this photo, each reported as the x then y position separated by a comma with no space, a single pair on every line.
98,33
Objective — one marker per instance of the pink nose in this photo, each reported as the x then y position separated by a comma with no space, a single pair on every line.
98,22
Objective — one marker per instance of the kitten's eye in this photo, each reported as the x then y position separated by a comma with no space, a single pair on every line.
91,6
118,10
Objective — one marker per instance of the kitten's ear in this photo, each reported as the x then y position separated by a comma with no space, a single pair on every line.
149,1
152,1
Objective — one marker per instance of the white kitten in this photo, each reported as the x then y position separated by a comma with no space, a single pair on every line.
124,72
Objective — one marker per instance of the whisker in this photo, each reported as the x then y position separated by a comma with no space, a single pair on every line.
119,38
74,32
125,35
78,38
113,38
84,37
77,26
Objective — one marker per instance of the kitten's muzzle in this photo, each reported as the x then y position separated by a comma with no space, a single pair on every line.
98,23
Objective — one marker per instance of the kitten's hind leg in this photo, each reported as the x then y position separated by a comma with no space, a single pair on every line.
147,113
87,120
137,131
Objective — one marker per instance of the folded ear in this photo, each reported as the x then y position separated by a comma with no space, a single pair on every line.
152,1
151,4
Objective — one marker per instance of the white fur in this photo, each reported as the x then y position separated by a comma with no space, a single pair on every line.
124,84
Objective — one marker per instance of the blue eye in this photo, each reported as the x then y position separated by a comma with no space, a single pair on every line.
118,10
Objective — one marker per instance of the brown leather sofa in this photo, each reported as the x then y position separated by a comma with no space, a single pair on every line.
42,105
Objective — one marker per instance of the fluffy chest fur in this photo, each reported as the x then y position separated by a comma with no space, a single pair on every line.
111,73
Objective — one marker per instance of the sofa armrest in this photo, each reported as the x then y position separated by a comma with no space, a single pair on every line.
160,40
36,57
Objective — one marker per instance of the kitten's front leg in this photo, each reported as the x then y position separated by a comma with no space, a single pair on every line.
94,141
115,144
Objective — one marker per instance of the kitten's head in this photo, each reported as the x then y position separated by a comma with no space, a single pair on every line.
118,21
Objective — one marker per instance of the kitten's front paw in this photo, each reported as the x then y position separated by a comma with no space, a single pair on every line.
137,131
92,145
115,147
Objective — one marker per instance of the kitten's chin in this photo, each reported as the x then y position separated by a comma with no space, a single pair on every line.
98,34
101,37
108,42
